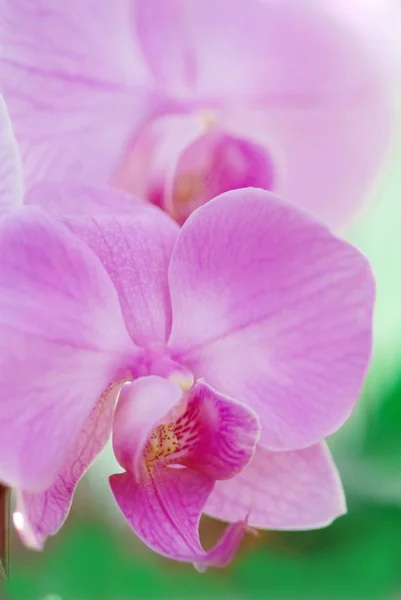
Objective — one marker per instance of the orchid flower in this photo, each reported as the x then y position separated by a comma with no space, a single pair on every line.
218,355
177,101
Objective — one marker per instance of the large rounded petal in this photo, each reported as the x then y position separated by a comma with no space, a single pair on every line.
62,343
165,512
11,177
41,514
74,82
282,490
272,309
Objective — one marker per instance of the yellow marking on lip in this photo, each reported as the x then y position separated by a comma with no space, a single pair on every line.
162,442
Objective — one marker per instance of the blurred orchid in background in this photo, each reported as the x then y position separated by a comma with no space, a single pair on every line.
238,342
177,101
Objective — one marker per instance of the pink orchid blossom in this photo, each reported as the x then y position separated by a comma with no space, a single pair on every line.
231,346
177,101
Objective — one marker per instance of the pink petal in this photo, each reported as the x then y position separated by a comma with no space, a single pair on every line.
282,490
207,48
164,513
216,435
378,22
66,198
263,52
141,406
162,30
11,178
74,82
213,164
42,514
135,251
272,309
62,342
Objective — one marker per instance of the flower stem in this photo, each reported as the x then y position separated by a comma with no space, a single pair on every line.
4,531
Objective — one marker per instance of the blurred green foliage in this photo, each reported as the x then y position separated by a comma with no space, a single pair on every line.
359,557
382,438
